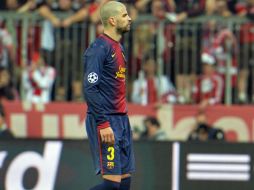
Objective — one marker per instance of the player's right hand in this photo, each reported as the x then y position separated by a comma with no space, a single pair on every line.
107,135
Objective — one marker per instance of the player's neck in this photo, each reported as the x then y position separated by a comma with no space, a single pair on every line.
112,34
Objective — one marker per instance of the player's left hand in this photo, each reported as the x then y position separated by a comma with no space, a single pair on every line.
107,135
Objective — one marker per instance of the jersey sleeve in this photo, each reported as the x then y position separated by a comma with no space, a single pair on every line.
93,69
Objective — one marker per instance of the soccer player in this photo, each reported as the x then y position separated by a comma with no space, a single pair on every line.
107,123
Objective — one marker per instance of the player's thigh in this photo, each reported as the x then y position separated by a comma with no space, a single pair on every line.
127,154
124,147
110,159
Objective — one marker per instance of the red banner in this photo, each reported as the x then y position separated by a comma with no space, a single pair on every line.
66,120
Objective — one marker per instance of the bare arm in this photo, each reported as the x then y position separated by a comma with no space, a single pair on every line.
25,7
43,10
77,17
210,7
48,14
141,4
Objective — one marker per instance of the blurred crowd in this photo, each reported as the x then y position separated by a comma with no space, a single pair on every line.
204,64
37,74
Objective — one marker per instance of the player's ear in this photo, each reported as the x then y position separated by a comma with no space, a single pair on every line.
112,21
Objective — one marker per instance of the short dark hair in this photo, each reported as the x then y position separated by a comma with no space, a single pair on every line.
147,58
202,127
153,120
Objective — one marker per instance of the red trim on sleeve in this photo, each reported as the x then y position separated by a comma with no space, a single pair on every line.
104,125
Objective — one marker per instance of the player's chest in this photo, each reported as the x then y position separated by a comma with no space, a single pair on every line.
116,63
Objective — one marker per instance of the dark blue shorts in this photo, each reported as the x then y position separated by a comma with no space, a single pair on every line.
114,159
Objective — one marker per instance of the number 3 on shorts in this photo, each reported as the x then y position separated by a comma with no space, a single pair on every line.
111,154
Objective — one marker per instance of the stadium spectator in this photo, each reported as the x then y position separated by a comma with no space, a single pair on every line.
218,7
203,132
158,9
7,56
77,16
94,10
226,50
143,6
189,8
11,4
35,38
143,44
145,39
184,51
163,10
38,80
77,94
210,7
177,11
5,133
153,130
67,39
7,90
43,9
149,88
222,43
246,74
222,8
60,95
245,8
208,89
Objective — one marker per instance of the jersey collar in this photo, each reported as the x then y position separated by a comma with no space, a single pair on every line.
109,38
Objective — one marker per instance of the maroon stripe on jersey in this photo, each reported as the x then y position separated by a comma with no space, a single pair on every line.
120,75
120,96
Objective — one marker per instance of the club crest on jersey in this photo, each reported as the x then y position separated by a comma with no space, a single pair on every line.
92,77
110,165
121,72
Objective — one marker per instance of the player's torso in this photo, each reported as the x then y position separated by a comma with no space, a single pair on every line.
113,78
114,70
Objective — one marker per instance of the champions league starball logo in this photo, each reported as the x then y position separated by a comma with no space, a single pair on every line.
92,77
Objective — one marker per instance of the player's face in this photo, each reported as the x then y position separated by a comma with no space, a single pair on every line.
123,21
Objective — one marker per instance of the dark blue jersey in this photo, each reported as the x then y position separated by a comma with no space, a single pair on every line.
104,78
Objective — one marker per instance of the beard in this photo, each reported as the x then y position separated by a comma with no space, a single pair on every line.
123,29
